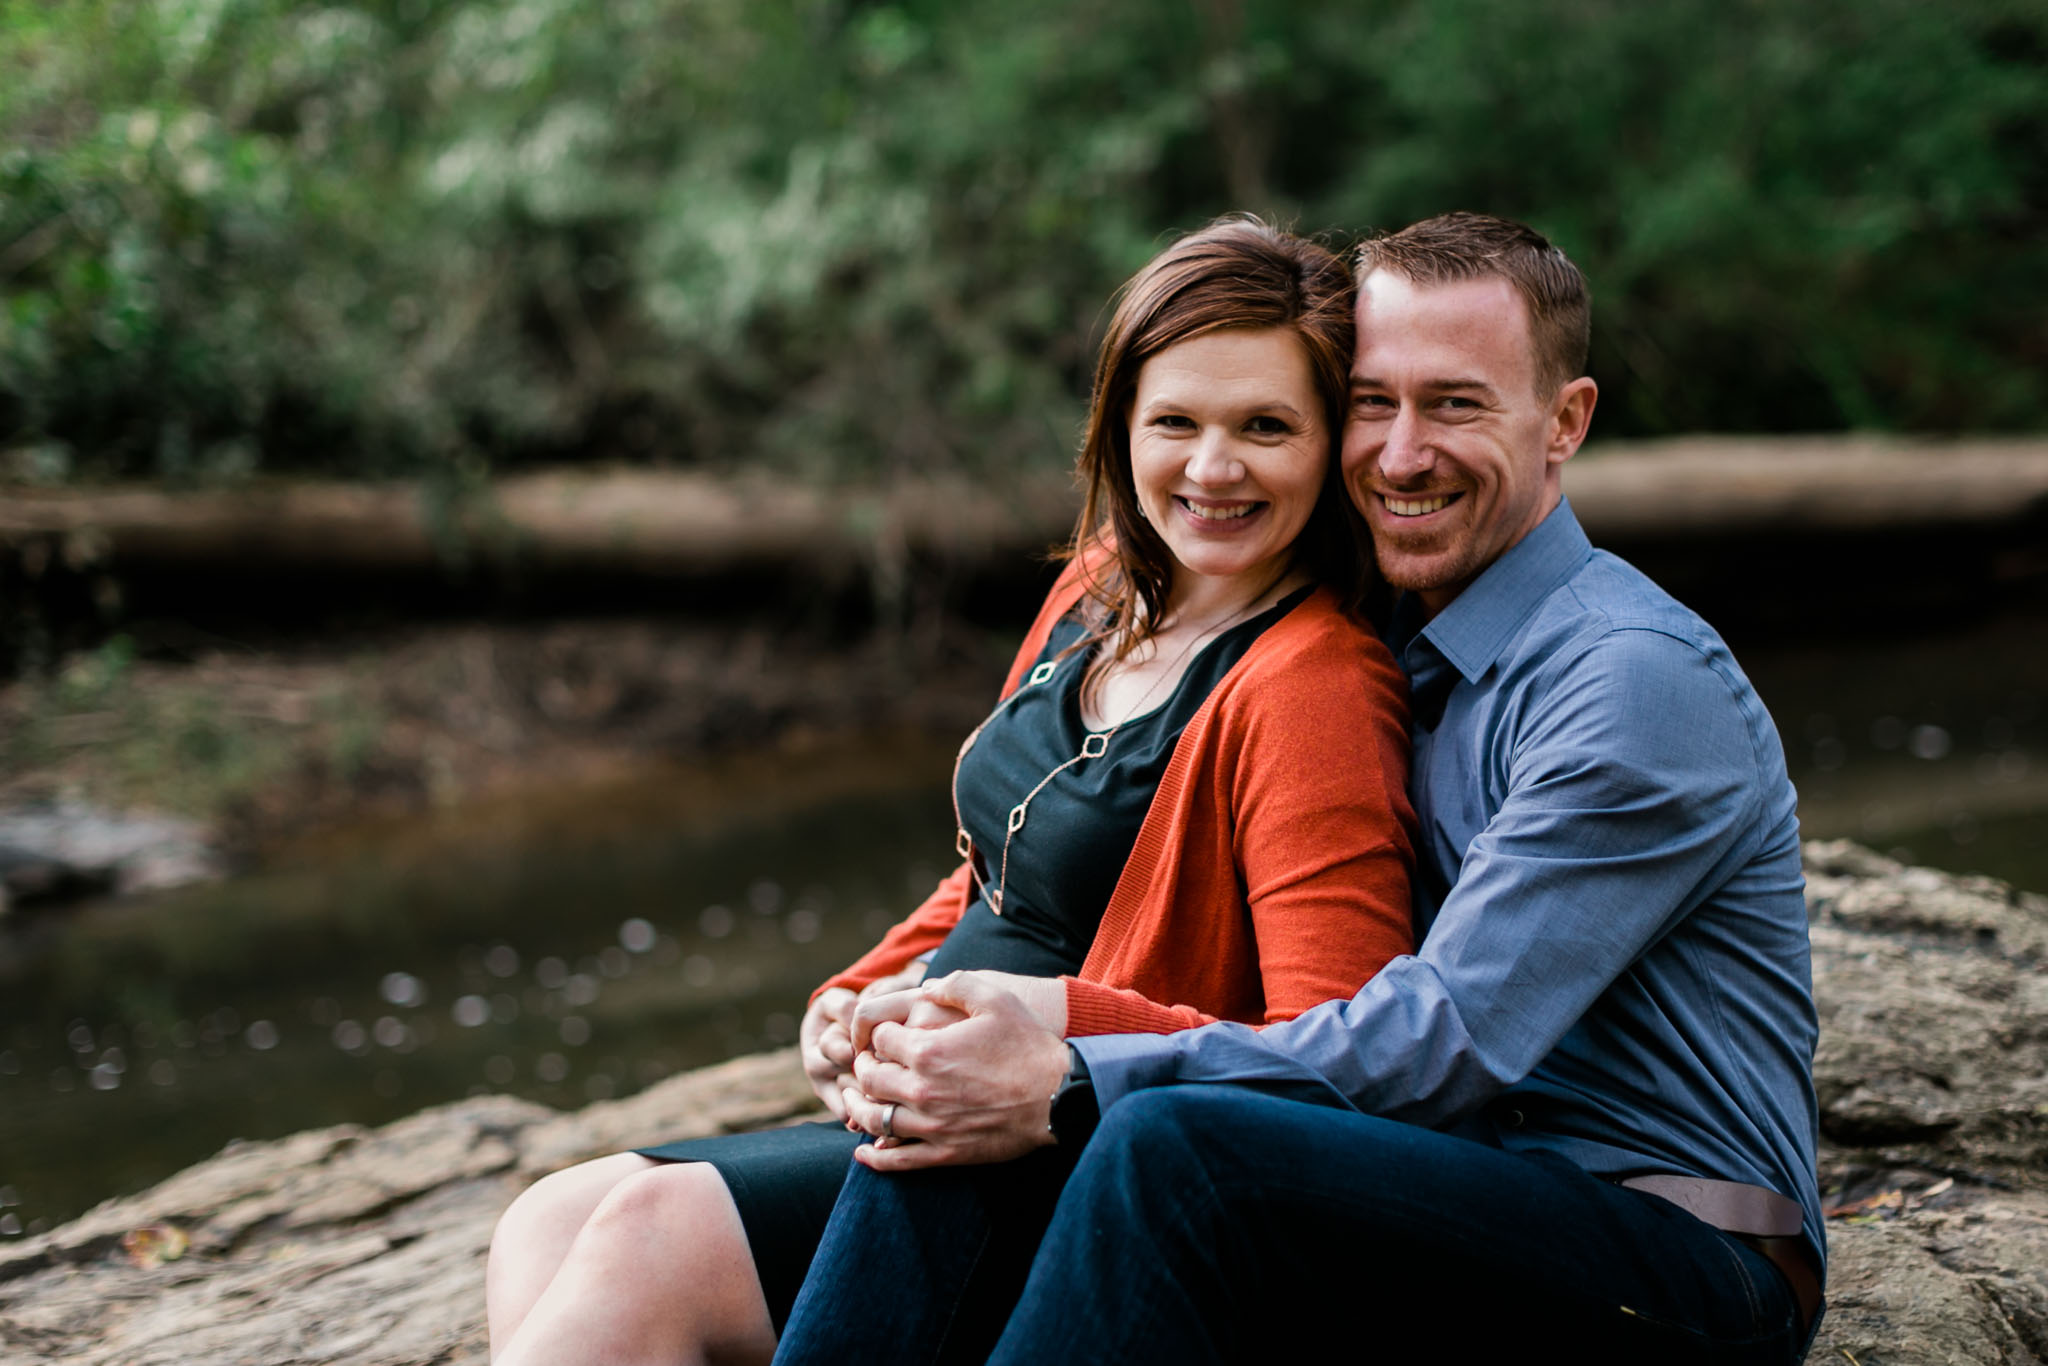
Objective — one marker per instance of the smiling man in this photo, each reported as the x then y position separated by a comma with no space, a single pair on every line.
1580,1115
1449,409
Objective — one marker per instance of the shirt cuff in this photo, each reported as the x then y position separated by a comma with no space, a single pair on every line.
1121,1063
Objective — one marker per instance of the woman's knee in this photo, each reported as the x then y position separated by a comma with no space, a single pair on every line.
555,1207
684,1204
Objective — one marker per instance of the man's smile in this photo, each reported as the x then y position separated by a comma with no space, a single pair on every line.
1418,506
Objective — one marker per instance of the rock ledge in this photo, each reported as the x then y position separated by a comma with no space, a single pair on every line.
366,1247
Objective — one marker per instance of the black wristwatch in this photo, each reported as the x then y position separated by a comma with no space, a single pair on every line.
1074,1111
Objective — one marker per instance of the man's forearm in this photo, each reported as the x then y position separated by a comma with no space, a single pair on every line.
1119,1064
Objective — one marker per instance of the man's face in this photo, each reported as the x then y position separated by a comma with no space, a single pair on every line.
1449,451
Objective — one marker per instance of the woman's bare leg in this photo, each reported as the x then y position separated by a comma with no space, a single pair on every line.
658,1272
535,1233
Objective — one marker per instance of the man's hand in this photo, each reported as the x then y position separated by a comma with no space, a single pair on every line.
1044,997
825,1039
979,1090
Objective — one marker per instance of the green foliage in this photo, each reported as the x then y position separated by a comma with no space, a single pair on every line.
445,236
132,732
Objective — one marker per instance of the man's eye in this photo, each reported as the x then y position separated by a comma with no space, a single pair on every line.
1371,403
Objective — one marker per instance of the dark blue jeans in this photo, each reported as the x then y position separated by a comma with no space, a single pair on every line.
1220,1224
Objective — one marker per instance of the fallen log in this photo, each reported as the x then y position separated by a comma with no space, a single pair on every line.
614,522
661,523
366,1247
1722,485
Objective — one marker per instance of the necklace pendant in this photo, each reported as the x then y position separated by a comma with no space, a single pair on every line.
995,900
963,845
1095,746
1040,674
1017,814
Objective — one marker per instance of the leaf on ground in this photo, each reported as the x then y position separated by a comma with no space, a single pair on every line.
154,1244
1869,1205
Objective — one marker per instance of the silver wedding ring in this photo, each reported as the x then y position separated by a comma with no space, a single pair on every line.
889,1120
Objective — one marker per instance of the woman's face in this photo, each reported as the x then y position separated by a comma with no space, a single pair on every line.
1228,453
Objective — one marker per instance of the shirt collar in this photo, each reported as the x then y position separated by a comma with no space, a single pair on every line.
1477,625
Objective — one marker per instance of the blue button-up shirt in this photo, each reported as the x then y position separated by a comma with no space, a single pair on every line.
1613,962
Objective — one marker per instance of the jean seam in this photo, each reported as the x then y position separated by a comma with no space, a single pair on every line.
943,1339
1749,1290
1212,1200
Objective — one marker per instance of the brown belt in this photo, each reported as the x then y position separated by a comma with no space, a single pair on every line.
1768,1222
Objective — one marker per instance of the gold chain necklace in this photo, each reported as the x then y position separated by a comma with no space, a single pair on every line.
1093,746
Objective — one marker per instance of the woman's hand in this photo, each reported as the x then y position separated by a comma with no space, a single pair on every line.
826,1042
914,1010
976,1090
901,981
1044,997
825,1038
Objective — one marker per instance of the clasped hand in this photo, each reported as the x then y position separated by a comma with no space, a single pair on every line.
825,1039
957,1070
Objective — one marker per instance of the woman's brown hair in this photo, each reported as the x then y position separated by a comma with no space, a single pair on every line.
1237,272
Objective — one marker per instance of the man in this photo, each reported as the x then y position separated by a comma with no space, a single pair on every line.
1582,1114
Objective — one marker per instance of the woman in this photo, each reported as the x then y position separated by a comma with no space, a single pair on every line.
1188,805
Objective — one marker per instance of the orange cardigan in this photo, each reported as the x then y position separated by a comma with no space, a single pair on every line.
1271,871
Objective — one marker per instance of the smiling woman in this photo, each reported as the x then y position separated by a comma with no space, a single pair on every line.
1228,452
1229,455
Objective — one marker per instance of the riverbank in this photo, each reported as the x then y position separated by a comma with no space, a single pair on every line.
366,1247
262,745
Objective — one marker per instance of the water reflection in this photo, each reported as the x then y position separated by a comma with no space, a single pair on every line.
1932,749
567,962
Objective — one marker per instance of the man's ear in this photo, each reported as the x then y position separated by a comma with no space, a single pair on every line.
1570,416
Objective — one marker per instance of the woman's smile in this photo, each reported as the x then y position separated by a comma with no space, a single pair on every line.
1228,454
1218,516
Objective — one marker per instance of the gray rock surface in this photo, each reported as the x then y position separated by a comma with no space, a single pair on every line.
52,849
349,1245
1932,1073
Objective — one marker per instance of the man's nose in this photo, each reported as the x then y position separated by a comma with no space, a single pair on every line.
1405,455
1214,463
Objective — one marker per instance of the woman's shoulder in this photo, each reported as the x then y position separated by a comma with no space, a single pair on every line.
1315,662
1066,594
1319,635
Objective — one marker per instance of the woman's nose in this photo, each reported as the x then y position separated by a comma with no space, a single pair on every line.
1214,464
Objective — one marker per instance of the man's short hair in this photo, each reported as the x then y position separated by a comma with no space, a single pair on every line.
1453,247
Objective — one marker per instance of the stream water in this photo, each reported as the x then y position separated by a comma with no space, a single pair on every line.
579,945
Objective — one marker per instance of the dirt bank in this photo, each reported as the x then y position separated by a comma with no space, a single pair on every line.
260,745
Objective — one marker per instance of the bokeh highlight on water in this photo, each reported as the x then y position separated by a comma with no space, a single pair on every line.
136,1039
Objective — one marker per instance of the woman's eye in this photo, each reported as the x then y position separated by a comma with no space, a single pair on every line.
1175,421
1268,426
